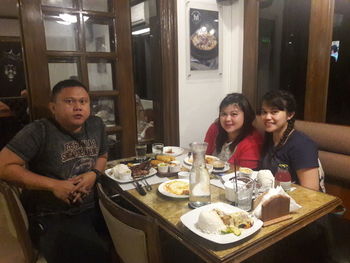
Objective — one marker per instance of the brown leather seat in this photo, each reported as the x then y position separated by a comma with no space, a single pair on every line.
16,248
135,236
334,147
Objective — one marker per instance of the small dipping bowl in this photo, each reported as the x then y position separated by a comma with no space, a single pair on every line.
163,167
174,166
244,171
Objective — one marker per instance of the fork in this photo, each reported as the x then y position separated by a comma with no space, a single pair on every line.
147,185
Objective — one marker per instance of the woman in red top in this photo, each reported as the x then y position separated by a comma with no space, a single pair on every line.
232,136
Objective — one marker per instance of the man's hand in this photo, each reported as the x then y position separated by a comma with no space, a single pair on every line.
84,184
63,189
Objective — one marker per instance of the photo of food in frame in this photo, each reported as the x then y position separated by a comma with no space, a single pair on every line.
204,39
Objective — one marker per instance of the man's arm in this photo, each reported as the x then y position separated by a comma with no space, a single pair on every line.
12,168
101,162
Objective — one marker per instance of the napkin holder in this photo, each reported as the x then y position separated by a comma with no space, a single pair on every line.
275,209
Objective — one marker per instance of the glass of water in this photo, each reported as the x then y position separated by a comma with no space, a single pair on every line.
141,150
157,148
245,193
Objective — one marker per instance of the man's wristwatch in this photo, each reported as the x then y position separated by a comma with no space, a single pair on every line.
97,172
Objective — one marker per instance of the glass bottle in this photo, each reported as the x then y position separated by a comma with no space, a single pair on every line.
199,176
283,177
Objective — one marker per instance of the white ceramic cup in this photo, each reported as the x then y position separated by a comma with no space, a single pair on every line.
174,166
124,176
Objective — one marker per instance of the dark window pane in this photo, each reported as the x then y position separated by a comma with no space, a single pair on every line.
283,48
338,108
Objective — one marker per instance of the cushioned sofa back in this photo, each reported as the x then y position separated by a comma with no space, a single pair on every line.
334,145
329,137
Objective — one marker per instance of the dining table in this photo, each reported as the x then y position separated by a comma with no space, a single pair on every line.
168,211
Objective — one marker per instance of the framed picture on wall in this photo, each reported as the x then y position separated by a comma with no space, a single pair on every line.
203,40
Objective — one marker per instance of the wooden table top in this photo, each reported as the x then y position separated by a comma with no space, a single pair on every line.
169,210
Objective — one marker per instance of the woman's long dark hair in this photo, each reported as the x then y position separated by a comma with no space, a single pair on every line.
249,116
284,101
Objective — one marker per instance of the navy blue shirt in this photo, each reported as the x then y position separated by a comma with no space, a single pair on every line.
299,152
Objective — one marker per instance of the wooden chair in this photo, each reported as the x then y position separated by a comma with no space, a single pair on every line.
19,219
135,236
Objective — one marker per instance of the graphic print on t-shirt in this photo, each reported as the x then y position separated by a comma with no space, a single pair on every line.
82,166
74,149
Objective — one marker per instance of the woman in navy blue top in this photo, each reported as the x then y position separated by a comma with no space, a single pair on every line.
283,144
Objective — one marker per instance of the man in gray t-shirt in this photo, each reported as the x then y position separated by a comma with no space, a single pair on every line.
58,161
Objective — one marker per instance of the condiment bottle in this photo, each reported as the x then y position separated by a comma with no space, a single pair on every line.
283,177
199,177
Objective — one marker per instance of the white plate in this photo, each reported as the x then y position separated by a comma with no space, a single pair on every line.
190,219
109,173
163,191
174,150
189,160
226,168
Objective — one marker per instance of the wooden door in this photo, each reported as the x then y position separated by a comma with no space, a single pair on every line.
90,41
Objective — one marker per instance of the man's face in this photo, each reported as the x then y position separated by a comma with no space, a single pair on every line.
71,108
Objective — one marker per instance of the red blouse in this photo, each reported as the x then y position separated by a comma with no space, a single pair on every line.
247,152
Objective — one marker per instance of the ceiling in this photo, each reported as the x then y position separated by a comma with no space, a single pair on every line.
8,8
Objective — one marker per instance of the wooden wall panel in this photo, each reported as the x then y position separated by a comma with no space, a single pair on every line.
125,82
170,96
33,39
320,38
250,51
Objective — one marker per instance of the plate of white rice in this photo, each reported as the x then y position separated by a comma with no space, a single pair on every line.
206,224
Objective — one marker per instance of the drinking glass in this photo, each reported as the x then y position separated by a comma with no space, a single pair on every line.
264,185
245,194
157,148
140,150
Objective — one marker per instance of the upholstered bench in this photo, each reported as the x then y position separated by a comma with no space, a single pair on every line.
334,153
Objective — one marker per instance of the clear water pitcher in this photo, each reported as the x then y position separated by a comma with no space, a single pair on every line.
199,176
